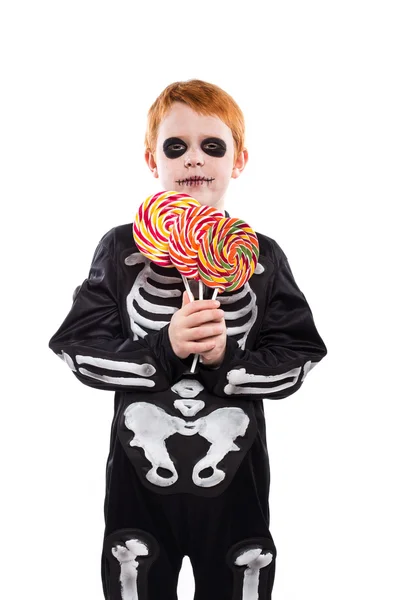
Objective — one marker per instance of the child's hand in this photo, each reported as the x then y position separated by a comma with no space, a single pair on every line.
198,328
214,357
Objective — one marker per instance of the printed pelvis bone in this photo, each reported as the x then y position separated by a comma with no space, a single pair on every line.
254,560
126,556
152,425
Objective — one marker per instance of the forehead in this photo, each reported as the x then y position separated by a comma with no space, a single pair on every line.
181,121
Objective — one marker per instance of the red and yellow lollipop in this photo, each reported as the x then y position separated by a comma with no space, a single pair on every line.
154,220
185,236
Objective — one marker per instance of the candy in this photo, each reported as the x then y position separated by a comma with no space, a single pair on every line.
153,222
206,246
228,254
185,236
173,229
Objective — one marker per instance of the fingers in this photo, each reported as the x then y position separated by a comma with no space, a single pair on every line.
208,330
201,347
199,305
205,316
196,327
206,353
184,348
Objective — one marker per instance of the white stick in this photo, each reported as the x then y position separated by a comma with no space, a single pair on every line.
194,363
189,291
196,356
215,293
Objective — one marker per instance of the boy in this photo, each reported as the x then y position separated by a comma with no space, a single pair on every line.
188,469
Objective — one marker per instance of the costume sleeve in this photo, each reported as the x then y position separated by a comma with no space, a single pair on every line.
91,340
288,346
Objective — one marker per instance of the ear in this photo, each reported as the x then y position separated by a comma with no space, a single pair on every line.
240,163
151,162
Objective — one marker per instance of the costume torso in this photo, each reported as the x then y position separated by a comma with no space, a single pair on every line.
184,439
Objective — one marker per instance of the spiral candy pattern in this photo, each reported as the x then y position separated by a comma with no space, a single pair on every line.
185,236
228,254
154,220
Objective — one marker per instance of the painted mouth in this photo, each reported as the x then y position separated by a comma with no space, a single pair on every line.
195,181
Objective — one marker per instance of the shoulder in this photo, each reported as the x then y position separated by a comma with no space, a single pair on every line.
118,237
270,249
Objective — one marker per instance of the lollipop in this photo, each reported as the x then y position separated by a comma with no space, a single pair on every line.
185,236
153,222
184,242
228,251
228,255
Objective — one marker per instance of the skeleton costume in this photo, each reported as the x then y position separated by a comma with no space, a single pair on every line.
188,468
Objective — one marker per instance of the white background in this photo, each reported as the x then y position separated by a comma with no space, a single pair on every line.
318,83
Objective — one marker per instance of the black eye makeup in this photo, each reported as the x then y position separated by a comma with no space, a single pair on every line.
174,147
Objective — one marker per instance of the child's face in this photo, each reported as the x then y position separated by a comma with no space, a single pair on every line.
192,146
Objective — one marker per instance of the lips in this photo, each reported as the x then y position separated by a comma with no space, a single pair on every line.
198,180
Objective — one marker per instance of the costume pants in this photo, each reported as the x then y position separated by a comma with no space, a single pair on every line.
226,537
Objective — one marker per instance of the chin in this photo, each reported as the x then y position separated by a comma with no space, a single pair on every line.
213,202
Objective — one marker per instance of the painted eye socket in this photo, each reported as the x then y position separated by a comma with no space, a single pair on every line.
214,147
174,147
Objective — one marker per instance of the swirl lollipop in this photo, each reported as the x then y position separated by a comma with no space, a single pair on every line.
185,236
184,242
153,222
228,255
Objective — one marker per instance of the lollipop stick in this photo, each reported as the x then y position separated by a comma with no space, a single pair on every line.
215,293
194,363
189,291
196,356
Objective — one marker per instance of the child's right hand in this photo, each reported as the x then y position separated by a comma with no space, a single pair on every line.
194,327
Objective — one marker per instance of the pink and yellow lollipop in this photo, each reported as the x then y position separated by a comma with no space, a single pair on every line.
154,220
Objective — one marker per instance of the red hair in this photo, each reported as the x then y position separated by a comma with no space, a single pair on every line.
202,97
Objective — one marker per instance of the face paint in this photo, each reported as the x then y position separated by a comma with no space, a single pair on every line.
218,149
175,147
194,153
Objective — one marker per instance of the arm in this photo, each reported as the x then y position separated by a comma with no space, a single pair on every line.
91,340
287,348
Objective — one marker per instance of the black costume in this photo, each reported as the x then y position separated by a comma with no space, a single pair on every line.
188,470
